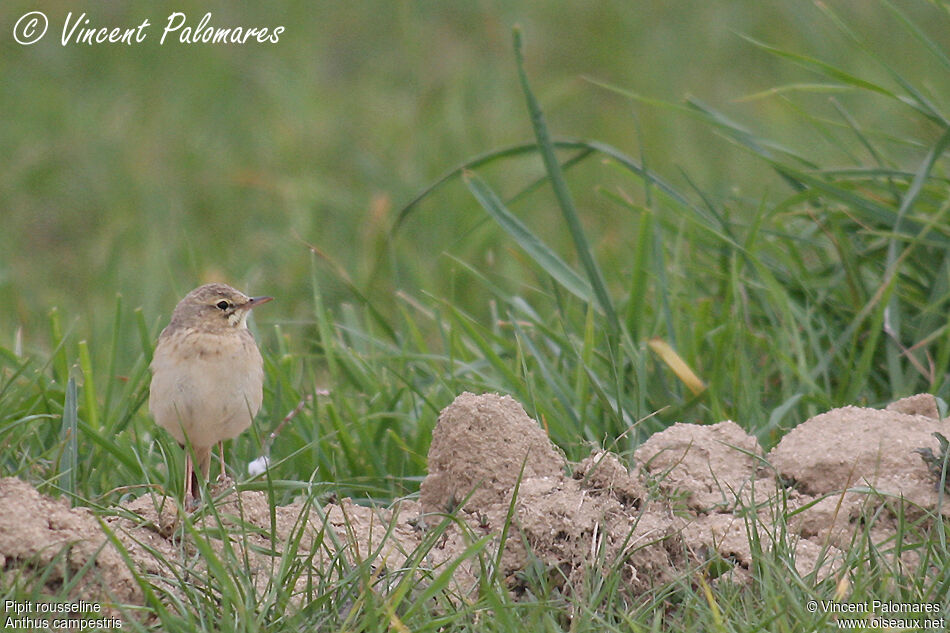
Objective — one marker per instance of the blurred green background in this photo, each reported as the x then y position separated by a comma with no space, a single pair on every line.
149,169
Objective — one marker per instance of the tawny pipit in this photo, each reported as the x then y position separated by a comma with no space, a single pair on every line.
207,375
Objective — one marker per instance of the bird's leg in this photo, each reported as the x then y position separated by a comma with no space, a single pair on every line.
223,480
191,484
200,464
224,475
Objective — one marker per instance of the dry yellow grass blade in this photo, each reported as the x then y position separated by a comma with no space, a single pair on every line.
683,371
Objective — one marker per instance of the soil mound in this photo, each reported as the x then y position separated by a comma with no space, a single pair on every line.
695,494
40,533
477,452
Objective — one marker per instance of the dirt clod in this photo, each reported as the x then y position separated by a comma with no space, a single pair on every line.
42,533
924,404
478,448
602,473
710,465
855,446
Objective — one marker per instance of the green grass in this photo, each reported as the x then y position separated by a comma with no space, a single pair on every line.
828,285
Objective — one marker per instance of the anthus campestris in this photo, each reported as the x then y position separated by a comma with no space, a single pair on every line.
207,375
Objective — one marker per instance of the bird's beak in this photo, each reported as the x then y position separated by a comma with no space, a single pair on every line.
256,301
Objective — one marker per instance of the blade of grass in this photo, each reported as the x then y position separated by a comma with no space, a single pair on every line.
113,355
914,98
60,364
561,192
677,365
822,68
145,338
69,434
550,375
89,386
934,48
528,241
893,312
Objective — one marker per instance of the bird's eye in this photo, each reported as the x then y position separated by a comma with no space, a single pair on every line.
223,305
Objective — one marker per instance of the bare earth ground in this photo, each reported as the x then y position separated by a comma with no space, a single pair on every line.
687,500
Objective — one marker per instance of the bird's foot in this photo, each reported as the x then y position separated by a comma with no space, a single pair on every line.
192,503
222,483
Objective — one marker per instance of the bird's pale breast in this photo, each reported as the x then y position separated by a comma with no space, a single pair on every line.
206,385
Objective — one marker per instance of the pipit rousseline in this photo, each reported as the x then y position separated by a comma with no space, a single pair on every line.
207,375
